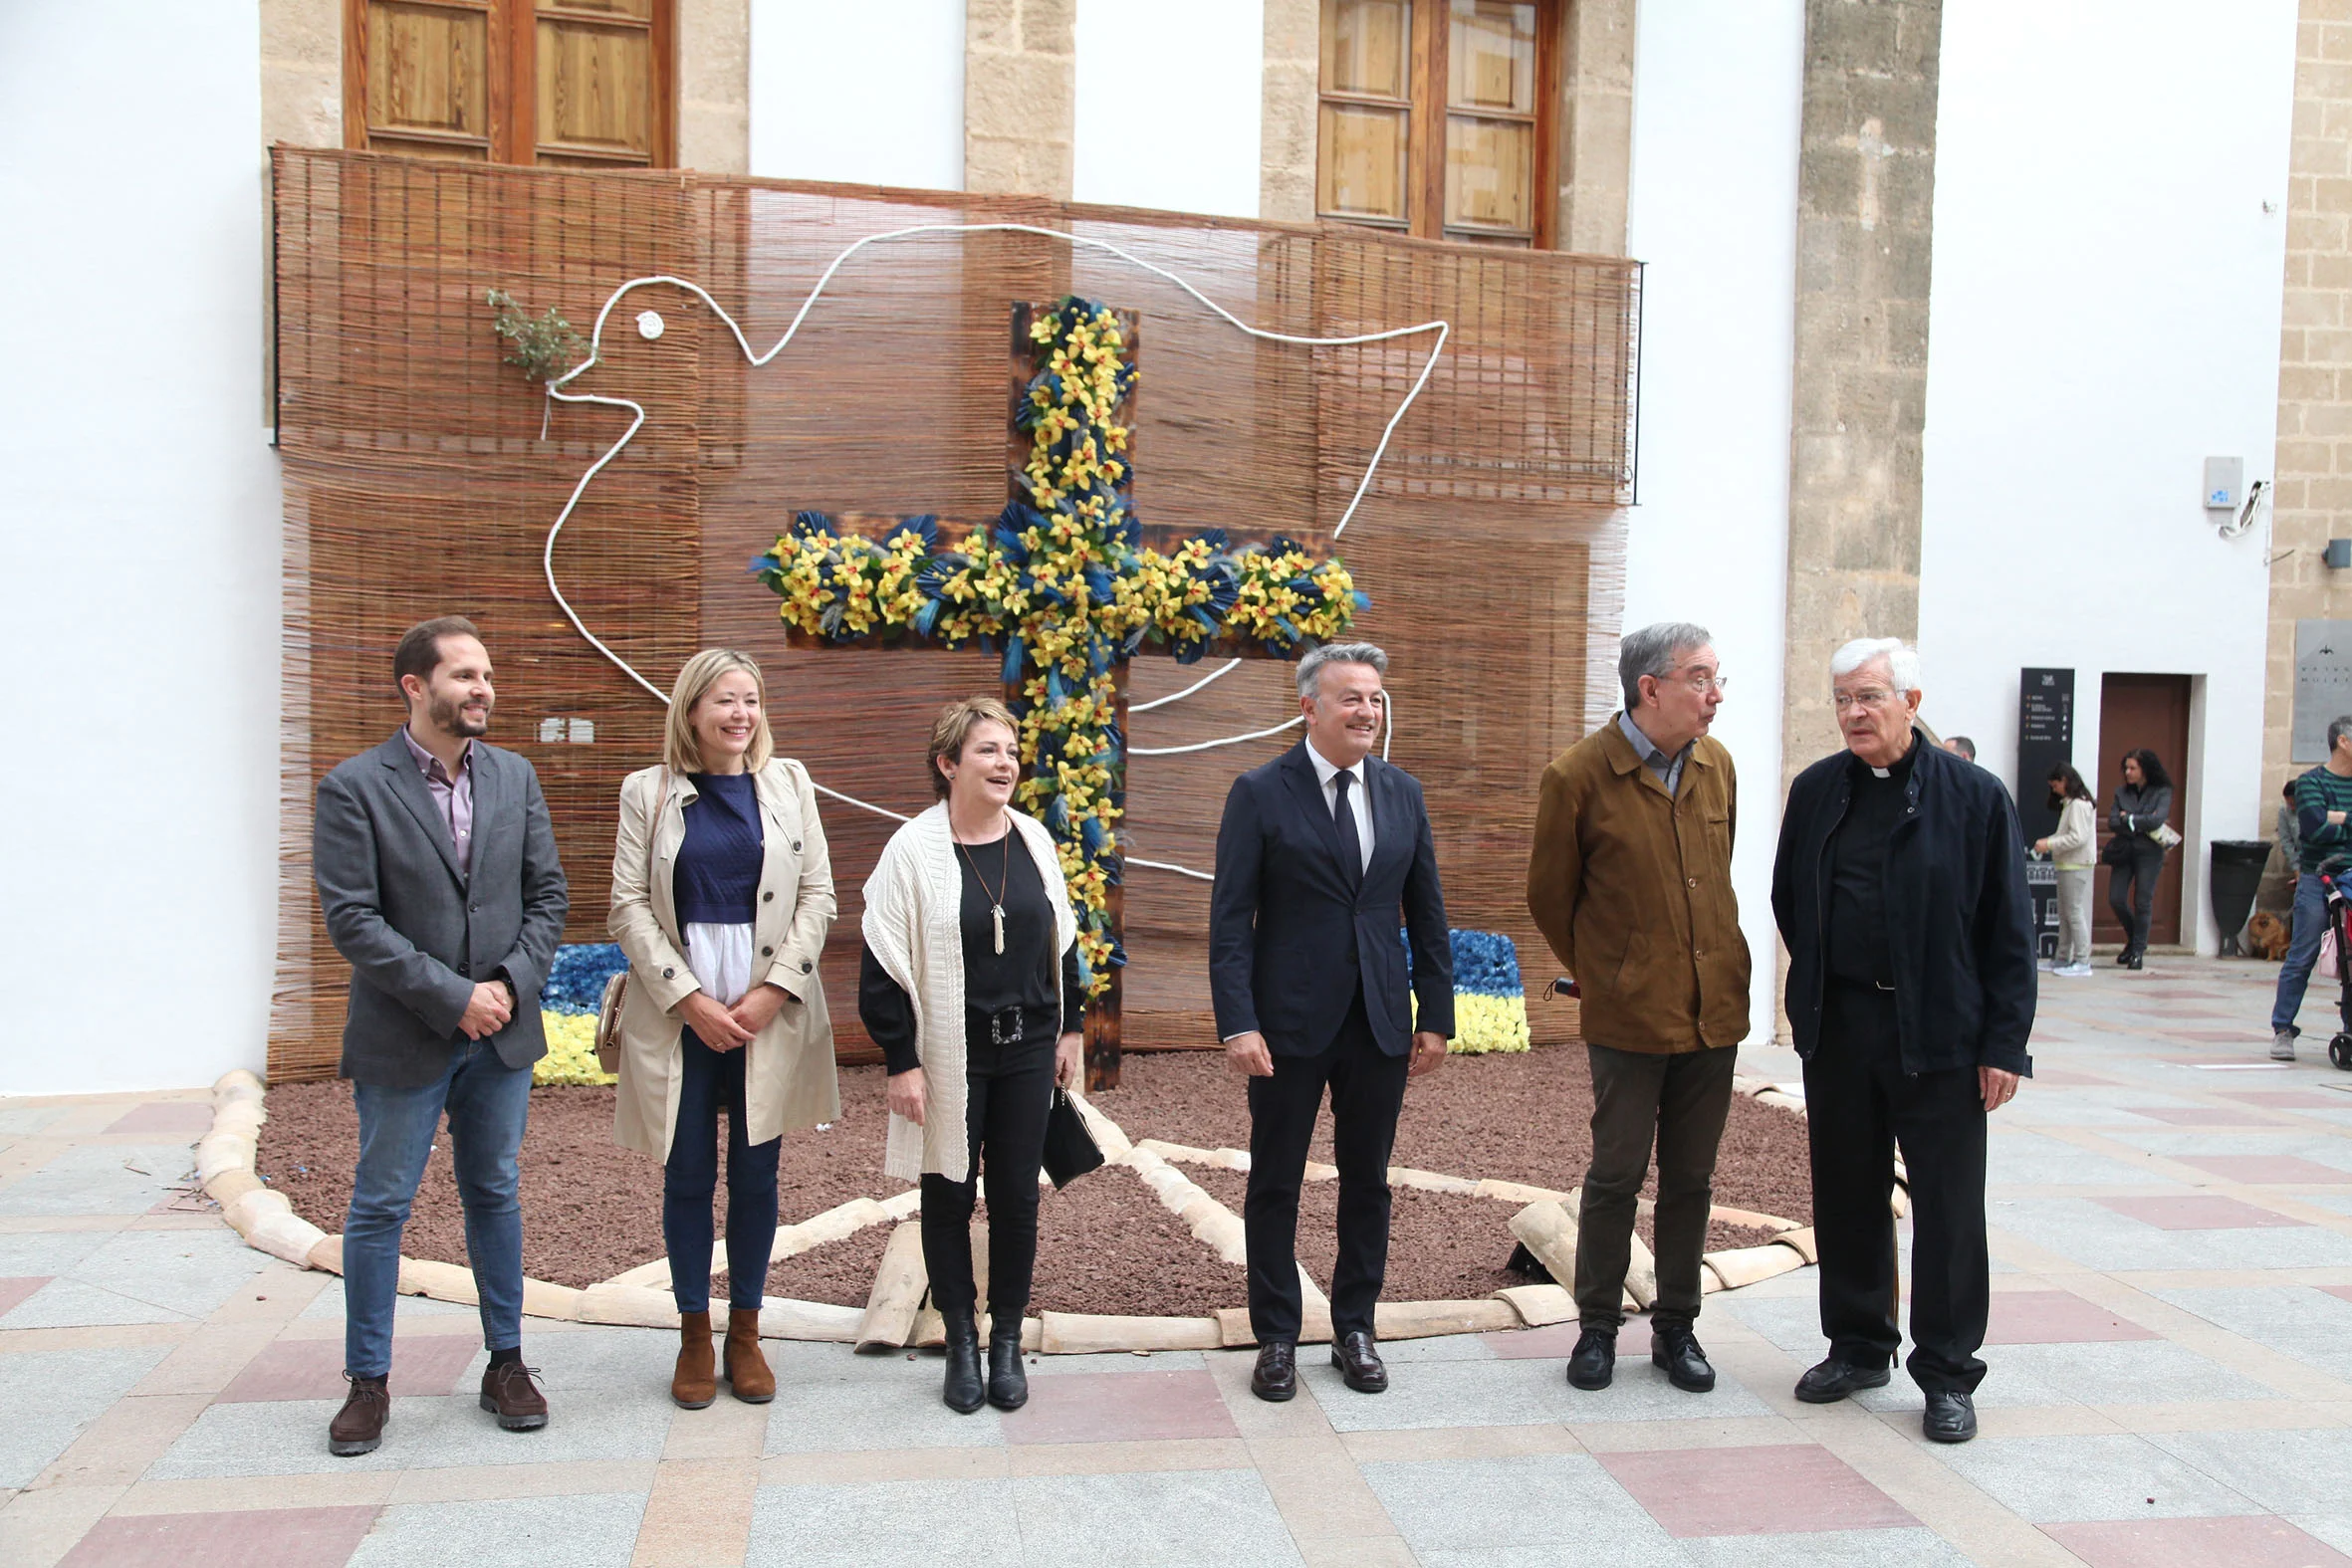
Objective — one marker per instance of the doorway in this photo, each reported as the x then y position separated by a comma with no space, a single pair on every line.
2135,711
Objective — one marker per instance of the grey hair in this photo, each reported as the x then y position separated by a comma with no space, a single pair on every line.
2337,728
1902,660
1652,651
1310,667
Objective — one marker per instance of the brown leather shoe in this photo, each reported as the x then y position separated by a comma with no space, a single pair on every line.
509,1394
1276,1377
358,1427
747,1369
694,1384
1359,1363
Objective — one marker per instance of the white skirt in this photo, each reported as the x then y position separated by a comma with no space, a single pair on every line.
721,957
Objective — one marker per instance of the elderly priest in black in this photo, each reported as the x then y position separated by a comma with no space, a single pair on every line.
1900,889
1322,854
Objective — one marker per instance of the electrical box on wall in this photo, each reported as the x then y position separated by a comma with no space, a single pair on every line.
2224,483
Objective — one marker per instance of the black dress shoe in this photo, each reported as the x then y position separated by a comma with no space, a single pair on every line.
1359,1363
1674,1347
1276,1377
1595,1360
1833,1380
1951,1417
962,1390
2134,962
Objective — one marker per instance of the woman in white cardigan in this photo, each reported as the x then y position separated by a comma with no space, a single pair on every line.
970,983
721,895
2074,847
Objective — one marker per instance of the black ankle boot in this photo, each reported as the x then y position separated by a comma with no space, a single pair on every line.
962,1392
1007,1382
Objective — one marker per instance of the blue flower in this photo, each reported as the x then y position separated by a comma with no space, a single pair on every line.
575,981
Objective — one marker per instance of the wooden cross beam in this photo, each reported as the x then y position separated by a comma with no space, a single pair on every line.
1064,586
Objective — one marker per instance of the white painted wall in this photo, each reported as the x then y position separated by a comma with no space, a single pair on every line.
2104,314
139,516
1718,93
1169,104
862,93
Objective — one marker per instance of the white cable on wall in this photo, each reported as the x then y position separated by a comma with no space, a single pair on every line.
636,412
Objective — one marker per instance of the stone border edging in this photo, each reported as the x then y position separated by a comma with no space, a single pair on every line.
893,1317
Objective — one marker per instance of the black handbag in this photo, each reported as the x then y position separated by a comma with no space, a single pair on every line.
1070,1150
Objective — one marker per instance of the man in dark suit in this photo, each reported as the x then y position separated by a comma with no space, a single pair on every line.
1320,853
437,877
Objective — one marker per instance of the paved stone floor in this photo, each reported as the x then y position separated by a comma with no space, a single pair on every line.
2170,1385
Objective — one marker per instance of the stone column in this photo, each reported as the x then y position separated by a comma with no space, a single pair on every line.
1597,126
1021,68
714,85
1865,200
1290,110
2313,472
301,73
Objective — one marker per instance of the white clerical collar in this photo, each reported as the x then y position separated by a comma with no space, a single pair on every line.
1881,773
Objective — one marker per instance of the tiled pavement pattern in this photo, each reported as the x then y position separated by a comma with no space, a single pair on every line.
2171,1384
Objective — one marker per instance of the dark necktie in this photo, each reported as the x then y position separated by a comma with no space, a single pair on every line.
1351,847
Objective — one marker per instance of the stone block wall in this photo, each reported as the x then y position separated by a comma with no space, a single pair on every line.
1865,204
2313,499
1020,74
1288,126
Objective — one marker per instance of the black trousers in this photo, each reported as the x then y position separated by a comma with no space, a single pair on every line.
1859,1105
1680,1102
2131,889
1007,1092
1367,1090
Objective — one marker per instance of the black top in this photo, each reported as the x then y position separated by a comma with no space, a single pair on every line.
1023,976
1858,948
716,880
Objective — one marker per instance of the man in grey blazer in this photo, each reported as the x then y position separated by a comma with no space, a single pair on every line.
438,876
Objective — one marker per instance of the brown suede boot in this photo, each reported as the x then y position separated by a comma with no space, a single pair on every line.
747,1369
358,1427
693,1384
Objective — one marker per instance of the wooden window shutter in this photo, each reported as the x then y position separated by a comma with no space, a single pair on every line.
1438,117
580,83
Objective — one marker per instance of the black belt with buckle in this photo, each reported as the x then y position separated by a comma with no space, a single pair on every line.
1000,1030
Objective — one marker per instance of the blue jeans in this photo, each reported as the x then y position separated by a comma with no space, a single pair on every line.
709,1082
488,1103
2302,951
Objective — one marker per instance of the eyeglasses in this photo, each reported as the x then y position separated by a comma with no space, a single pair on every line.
1704,683
1872,698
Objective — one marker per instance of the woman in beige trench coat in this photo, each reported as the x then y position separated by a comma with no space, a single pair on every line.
721,895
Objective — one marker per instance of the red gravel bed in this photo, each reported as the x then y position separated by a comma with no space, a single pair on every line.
592,1210
1442,1247
1523,1117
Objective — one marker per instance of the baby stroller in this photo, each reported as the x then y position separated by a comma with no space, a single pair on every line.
2333,943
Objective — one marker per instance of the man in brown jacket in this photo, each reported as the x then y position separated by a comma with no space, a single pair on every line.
1631,882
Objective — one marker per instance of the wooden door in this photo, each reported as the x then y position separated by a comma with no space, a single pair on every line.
2135,711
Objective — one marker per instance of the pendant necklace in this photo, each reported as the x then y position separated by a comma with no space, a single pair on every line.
1004,882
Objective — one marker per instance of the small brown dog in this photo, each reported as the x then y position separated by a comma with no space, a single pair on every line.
2266,937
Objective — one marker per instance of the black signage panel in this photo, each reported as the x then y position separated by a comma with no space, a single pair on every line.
2046,740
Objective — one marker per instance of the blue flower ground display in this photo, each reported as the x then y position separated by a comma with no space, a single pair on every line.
568,1006
1489,1008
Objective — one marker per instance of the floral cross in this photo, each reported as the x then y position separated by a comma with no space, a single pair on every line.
1065,586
